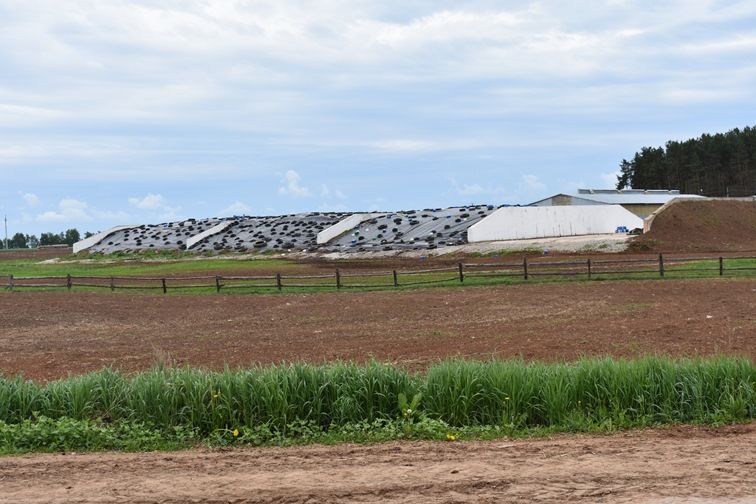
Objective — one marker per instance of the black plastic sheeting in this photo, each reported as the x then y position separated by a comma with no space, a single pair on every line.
404,230
412,230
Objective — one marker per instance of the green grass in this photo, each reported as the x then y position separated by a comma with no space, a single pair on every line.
176,407
145,267
351,280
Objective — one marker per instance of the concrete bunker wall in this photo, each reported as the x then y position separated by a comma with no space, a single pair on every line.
342,227
191,242
93,240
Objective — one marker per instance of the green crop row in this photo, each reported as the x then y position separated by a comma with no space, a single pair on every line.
299,400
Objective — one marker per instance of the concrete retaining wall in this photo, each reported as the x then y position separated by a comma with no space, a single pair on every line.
342,227
86,243
191,242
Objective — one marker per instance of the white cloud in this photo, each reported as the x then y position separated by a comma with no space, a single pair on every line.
477,189
292,186
532,182
328,193
266,59
609,180
50,216
69,210
158,206
30,199
165,90
471,189
149,202
236,208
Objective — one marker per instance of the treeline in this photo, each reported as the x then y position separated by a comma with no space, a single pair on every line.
723,164
25,241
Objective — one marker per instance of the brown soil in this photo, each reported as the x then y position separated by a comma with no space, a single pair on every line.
702,226
47,335
681,464
39,254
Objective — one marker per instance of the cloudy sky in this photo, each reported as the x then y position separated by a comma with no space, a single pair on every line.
124,112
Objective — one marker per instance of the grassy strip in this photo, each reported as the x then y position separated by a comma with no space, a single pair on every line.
173,407
356,282
145,266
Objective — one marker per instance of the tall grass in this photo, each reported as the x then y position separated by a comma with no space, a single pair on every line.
460,393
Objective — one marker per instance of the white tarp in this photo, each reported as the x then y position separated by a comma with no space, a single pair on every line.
517,223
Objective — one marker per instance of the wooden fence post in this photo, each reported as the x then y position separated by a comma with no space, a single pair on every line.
165,287
721,266
217,283
525,267
589,268
69,283
10,282
279,285
661,265
112,284
396,279
461,273
338,279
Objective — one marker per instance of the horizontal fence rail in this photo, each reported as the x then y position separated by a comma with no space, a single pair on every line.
588,269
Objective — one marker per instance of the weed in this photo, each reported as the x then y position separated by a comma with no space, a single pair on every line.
169,406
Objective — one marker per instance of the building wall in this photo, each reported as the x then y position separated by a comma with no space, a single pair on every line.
519,223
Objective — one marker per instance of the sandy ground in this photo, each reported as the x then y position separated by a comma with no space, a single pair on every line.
47,335
675,465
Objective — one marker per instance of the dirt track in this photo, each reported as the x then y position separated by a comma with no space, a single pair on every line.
665,466
47,335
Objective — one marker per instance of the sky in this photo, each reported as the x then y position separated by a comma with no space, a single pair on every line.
130,112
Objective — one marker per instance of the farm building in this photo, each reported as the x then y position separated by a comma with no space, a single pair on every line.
641,202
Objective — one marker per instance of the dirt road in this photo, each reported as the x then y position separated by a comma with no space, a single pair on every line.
673,465
47,335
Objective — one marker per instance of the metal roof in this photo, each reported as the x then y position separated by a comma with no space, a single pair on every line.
627,196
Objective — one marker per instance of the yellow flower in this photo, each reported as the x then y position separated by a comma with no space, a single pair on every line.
507,398
216,396
451,437
236,433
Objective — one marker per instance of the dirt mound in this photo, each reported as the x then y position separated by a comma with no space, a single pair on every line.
702,226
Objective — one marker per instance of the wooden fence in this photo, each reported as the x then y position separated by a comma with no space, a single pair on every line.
656,266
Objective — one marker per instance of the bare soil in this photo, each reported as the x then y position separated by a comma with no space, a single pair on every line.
702,226
39,254
47,335
673,465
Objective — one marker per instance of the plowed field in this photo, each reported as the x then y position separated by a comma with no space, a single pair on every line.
47,335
